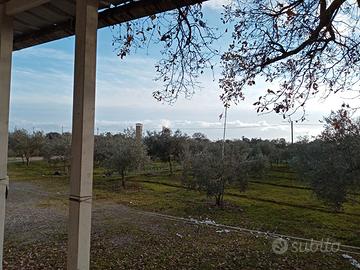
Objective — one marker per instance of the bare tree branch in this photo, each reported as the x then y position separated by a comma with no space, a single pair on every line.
302,48
186,40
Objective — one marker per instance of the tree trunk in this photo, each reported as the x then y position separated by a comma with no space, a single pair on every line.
27,161
123,179
221,195
219,200
170,167
222,200
66,168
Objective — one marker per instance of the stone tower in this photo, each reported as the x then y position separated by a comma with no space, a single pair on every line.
139,132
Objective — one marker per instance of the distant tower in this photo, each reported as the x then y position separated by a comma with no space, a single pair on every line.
139,132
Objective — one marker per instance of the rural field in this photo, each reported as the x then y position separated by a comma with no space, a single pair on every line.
179,134
158,223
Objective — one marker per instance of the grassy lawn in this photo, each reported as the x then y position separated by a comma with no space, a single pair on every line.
277,203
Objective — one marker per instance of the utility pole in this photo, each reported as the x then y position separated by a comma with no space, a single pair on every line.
224,135
292,131
223,158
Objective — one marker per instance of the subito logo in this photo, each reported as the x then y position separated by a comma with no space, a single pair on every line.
280,246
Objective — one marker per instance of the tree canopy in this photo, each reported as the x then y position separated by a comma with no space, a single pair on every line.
185,40
301,48
26,145
331,162
207,170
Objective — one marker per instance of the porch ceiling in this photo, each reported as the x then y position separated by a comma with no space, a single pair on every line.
55,19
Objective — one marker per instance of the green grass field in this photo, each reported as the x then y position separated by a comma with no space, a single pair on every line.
277,203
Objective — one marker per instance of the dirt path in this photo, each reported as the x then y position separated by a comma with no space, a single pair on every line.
26,219
32,214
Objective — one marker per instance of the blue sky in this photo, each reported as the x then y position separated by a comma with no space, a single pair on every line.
42,88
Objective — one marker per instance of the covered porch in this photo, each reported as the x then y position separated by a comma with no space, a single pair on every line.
24,24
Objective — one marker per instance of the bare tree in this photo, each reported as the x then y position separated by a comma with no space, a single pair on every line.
186,41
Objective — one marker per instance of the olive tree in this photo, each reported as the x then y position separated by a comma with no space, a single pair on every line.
165,146
125,154
25,144
331,163
103,148
209,172
57,150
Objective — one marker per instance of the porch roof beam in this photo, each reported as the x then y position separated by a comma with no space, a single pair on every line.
14,7
108,17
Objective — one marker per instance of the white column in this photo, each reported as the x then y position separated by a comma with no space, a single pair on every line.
81,178
6,47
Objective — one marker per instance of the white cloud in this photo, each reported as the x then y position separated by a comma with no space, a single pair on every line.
43,52
216,4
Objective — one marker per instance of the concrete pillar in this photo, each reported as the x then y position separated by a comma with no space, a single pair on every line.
6,47
139,132
81,178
